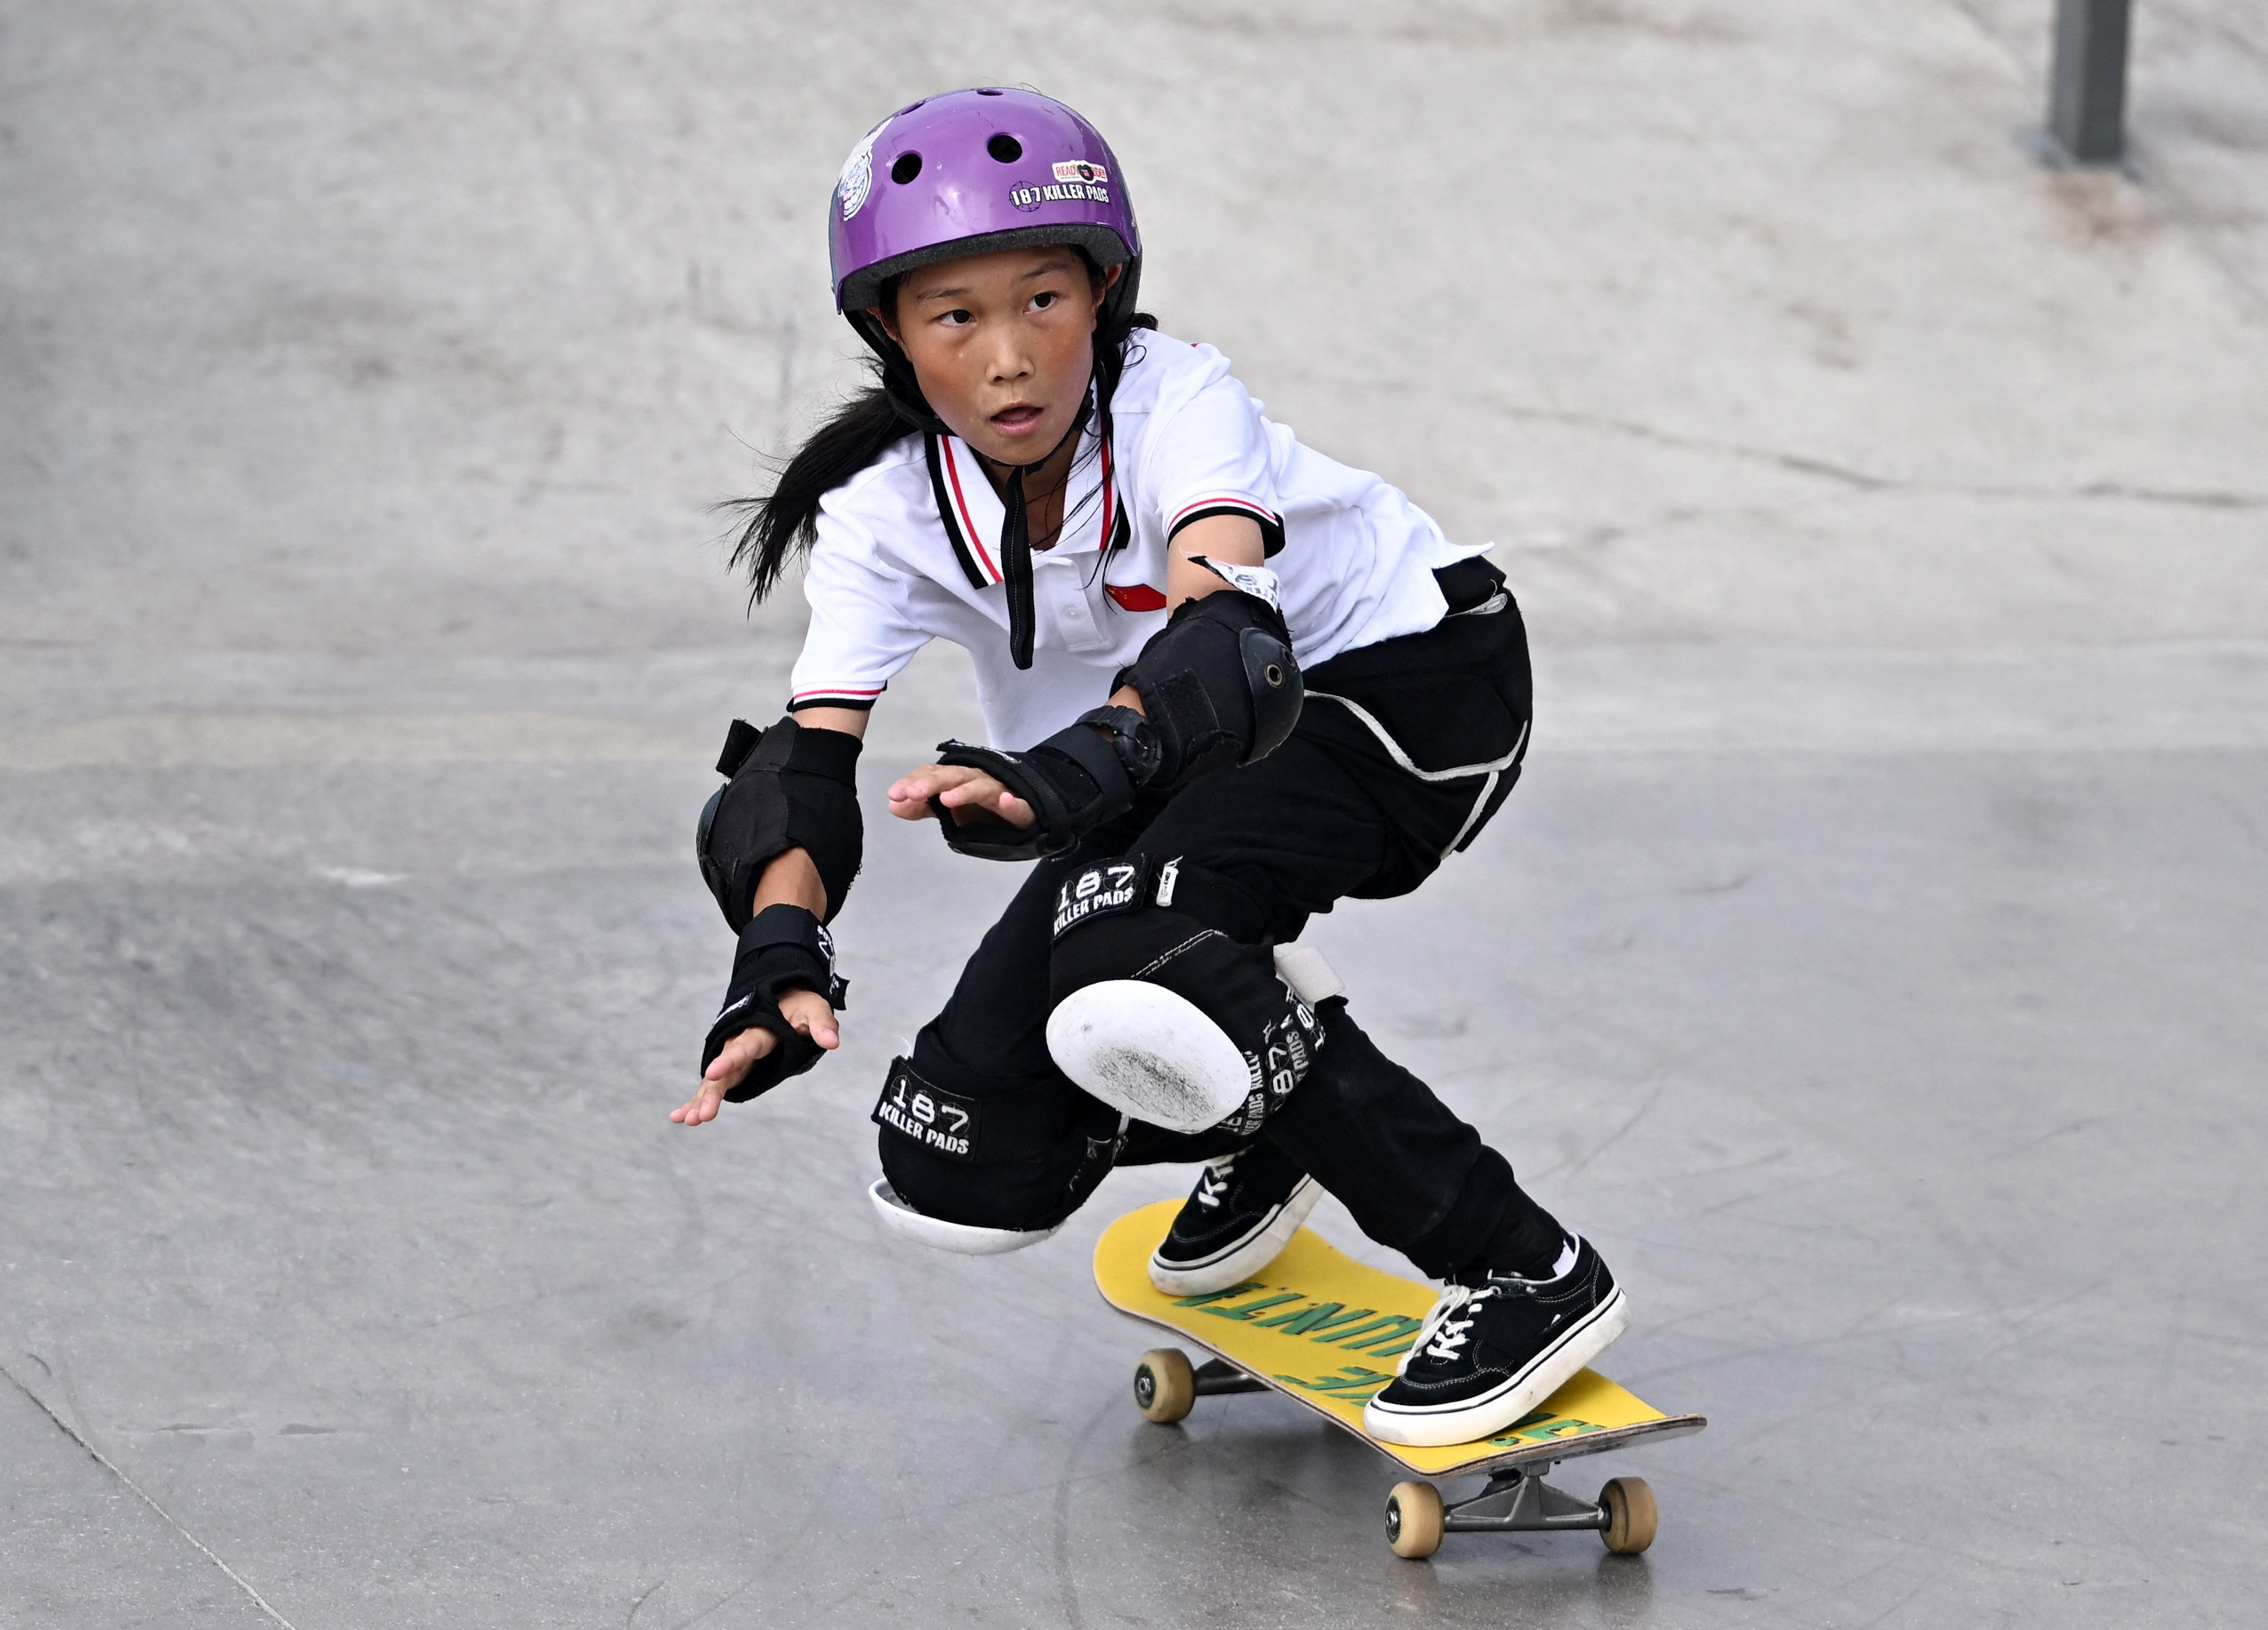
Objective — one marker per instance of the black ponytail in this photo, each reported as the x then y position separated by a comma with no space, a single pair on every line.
784,523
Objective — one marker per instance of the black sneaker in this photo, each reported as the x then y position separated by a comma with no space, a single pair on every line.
1493,1349
1244,1210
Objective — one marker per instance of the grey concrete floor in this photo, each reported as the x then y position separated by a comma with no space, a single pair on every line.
1870,959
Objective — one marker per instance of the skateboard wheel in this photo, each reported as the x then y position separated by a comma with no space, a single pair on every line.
1630,1515
1165,1385
1413,1519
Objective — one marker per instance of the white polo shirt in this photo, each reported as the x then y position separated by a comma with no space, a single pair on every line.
908,550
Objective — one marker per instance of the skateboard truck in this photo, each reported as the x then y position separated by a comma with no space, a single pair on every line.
1215,1377
1515,1501
1518,1501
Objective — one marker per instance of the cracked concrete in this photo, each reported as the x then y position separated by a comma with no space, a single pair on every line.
1869,960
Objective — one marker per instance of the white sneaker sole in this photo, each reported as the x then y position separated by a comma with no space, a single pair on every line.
1149,1053
1235,1264
1438,1425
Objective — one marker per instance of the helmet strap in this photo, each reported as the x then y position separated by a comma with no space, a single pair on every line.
1015,542
1015,572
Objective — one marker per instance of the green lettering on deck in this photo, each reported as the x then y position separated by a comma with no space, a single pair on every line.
1314,1331
1220,1296
1390,1328
1511,1433
1568,1427
1400,1329
1322,1316
1250,1308
1542,1428
1352,1380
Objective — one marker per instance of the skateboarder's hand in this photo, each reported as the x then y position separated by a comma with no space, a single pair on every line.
806,1010
957,786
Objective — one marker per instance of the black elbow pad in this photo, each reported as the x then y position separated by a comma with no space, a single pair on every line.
789,787
1218,684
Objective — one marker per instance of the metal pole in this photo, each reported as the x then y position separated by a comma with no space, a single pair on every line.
2086,91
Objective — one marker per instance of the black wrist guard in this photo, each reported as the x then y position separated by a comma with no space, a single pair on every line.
784,949
1133,738
1219,683
1074,780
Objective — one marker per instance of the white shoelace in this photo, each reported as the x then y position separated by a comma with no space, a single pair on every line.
1443,1334
1212,1183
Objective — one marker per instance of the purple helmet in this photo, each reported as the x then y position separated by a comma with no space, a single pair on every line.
972,171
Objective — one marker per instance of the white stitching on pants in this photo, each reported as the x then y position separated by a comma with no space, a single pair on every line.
1167,955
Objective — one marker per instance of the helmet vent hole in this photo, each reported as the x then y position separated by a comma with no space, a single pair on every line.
908,166
991,93
1005,148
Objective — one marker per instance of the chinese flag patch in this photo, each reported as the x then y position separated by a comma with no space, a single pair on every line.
1136,597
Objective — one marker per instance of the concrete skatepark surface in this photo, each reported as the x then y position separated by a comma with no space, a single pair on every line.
1869,960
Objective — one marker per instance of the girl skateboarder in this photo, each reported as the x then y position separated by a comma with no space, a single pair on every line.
1226,682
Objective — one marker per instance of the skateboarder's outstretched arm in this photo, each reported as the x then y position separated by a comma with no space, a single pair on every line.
792,879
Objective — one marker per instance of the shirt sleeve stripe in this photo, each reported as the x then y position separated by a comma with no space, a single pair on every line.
1228,501
1272,525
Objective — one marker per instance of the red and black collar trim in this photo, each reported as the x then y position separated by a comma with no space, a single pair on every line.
957,510
961,530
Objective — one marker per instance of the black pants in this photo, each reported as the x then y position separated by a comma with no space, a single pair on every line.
1403,752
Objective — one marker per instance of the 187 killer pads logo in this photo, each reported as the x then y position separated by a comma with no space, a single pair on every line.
1115,886
1076,181
1287,1048
941,1122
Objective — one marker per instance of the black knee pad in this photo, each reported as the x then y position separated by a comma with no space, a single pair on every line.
1158,920
1236,984
1110,925
1020,1156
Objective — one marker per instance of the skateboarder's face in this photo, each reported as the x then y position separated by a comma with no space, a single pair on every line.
1001,345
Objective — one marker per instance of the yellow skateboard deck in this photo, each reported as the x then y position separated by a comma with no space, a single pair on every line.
1326,1332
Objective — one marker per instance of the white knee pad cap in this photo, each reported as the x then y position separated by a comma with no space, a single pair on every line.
935,1233
1149,1053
